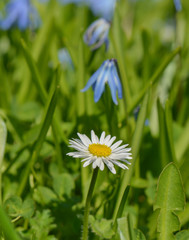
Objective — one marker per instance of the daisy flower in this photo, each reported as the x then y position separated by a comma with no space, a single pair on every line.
100,151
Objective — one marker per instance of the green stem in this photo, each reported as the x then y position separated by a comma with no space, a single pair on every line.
6,227
87,205
0,187
136,143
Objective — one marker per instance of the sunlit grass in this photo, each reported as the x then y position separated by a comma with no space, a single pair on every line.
43,190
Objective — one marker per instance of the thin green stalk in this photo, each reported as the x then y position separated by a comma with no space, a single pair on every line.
45,126
154,78
136,143
6,227
0,186
87,205
3,138
44,96
80,103
117,37
121,207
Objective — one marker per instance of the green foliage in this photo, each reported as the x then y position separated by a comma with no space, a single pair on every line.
3,136
41,225
44,195
183,235
102,227
16,208
125,230
170,198
63,184
43,190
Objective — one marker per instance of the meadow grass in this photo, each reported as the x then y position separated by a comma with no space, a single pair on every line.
48,195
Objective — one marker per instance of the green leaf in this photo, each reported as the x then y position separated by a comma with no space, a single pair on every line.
3,137
165,138
44,195
63,184
122,228
152,224
139,235
6,227
102,227
136,143
151,188
184,216
183,235
125,229
139,183
170,194
168,222
34,71
28,208
182,143
170,197
117,40
15,207
41,225
48,116
154,77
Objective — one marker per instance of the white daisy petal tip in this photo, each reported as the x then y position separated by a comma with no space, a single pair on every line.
99,152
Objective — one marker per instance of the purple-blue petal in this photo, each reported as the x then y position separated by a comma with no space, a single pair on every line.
178,5
18,12
100,85
117,82
9,21
112,85
96,35
93,78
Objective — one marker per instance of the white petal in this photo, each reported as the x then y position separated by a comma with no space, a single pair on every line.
94,164
123,160
87,163
101,166
98,162
107,138
78,148
122,150
78,143
86,141
78,154
111,141
110,166
120,156
121,147
115,145
121,165
86,159
102,138
94,138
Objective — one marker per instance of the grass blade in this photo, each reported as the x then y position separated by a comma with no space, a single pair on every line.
44,128
154,77
136,143
6,227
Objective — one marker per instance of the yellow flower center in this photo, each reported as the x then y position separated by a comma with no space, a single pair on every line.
99,150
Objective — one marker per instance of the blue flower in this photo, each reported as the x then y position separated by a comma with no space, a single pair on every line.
20,13
107,73
97,34
71,1
103,8
65,58
178,5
